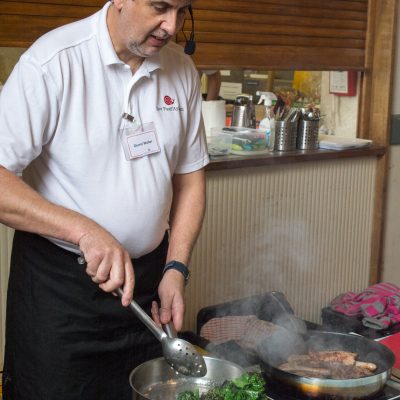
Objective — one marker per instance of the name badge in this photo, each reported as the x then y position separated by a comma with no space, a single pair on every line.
139,141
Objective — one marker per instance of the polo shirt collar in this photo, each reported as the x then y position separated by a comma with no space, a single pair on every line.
107,51
104,40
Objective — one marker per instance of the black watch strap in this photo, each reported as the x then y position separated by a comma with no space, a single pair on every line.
181,267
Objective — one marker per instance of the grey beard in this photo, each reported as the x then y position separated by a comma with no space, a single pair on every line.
135,49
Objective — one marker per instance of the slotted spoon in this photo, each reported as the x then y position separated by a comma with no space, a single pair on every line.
179,354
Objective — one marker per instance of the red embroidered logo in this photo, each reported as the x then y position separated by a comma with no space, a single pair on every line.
168,100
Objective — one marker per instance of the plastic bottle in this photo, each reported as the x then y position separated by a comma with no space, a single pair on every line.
267,124
252,113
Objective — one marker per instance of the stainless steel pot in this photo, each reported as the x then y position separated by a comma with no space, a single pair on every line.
156,380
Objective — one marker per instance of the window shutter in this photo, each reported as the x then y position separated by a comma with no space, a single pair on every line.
22,22
267,34
280,34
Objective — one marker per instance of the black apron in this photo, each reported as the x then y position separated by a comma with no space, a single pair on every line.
66,339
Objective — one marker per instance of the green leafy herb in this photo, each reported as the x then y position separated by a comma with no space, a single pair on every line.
250,386
189,395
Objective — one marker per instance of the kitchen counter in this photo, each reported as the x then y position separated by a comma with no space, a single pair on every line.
280,157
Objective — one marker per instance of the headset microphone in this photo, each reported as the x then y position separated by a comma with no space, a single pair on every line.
190,46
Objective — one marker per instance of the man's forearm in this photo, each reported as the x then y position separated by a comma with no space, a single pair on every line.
23,208
214,85
187,214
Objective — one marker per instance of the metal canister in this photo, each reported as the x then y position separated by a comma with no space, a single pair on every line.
307,135
243,113
240,116
285,135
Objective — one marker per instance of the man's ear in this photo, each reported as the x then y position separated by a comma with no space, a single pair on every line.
118,3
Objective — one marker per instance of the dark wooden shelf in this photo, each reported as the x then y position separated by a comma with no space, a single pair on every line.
290,157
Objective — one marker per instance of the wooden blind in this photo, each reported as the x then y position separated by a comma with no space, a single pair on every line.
280,34
22,22
267,34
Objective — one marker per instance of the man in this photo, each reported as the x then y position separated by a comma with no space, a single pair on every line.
103,119
213,83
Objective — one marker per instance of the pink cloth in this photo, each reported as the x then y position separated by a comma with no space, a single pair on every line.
378,306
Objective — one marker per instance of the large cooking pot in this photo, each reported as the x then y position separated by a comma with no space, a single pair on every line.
357,388
156,380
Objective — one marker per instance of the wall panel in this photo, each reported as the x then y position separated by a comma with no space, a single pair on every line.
304,230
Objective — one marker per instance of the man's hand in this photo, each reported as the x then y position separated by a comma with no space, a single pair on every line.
108,263
171,293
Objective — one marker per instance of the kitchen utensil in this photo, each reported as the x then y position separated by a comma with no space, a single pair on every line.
285,135
169,329
179,354
239,116
243,113
154,379
283,314
356,388
307,135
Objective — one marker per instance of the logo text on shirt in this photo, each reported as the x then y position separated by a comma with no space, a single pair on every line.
169,101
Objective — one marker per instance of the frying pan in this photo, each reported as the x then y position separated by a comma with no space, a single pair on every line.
355,388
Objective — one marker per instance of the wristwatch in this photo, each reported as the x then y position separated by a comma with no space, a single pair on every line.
181,267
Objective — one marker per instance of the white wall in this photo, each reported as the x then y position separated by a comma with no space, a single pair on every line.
340,112
391,251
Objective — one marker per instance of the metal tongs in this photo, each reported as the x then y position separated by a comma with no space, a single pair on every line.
179,354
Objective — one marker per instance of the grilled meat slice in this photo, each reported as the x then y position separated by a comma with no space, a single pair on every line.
305,370
340,371
336,364
344,357
297,358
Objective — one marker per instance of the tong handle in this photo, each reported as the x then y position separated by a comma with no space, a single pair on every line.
169,329
146,319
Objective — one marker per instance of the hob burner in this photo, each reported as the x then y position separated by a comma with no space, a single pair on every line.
279,392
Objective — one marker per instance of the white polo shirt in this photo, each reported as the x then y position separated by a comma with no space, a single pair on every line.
60,118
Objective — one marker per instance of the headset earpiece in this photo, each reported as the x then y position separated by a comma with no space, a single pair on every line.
190,46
